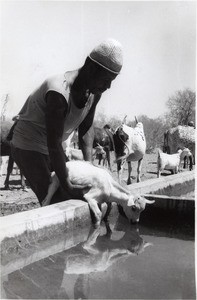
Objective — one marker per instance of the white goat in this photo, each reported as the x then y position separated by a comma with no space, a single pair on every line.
76,154
171,161
73,154
129,145
103,188
99,152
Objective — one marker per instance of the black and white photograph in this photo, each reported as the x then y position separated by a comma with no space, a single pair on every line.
97,160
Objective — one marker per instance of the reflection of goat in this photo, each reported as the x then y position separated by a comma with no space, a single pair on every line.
100,252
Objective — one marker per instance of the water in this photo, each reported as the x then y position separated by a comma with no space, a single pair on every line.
154,260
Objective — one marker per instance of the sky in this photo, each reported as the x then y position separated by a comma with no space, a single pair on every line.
42,38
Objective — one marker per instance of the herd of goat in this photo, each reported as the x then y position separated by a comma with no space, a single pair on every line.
128,144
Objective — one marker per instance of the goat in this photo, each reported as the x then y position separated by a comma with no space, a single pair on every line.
100,153
179,137
103,188
134,142
76,154
104,137
171,161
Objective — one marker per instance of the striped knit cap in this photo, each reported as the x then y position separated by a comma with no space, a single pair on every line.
108,55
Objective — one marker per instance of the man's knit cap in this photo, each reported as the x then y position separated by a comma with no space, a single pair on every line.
108,54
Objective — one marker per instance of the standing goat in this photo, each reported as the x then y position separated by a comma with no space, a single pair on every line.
103,188
130,145
171,161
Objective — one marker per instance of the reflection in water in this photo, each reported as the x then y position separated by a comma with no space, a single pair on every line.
104,247
114,262
99,252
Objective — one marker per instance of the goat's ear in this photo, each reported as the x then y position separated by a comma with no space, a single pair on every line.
149,201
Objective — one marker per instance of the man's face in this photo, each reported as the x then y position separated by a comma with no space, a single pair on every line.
100,81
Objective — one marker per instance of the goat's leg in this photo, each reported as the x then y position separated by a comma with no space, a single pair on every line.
104,160
158,170
108,230
99,158
108,159
185,164
88,245
190,163
9,171
23,184
139,168
120,166
109,206
93,204
158,173
51,190
129,173
1,166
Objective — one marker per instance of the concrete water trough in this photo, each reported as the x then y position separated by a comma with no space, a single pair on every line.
30,227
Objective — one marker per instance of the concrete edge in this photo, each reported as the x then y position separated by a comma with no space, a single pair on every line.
44,249
171,185
42,223
19,257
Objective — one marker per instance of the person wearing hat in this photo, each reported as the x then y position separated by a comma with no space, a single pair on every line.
53,111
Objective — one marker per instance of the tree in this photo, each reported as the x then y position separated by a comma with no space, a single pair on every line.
101,119
181,108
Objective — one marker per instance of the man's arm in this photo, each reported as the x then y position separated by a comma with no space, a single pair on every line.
86,132
56,108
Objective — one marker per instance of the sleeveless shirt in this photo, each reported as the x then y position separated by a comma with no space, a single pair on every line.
30,130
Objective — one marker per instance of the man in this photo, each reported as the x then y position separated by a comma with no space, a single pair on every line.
53,111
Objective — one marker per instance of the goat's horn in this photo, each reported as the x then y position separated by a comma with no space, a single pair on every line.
120,158
147,244
136,120
124,120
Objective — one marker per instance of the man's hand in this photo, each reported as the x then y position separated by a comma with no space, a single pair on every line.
76,191
71,190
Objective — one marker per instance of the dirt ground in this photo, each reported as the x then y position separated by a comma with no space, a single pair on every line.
25,200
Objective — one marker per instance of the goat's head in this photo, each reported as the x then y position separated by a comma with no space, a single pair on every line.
100,149
186,152
120,138
136,204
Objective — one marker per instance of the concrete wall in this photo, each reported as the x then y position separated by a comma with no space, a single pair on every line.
29,227
173,185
